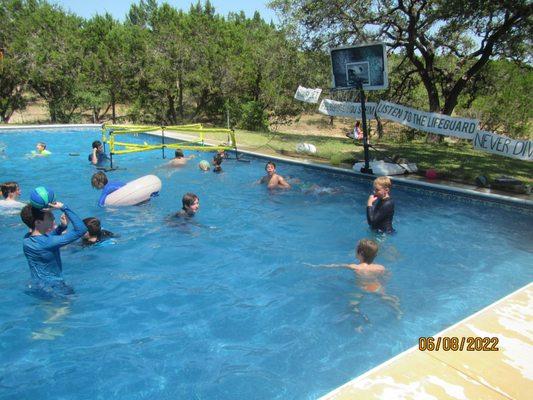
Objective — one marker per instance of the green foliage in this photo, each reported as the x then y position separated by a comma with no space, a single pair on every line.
253,117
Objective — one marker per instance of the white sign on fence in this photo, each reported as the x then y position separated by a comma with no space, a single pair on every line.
440,124
504,146
307,95
346,109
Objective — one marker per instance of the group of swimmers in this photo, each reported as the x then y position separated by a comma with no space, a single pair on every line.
42,243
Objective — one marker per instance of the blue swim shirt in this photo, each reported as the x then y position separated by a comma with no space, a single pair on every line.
102,158
42,251
108,189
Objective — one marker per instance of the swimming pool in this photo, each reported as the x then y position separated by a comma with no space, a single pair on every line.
233,305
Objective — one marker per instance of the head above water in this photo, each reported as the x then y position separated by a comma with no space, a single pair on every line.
204,165
41,146
190,202
98,145
178,153
94,227
34,218
270,167
10,189
366,250
382,187
99,180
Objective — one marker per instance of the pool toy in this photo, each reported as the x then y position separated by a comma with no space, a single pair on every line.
305,148
41,196
386,168
204,165
135,192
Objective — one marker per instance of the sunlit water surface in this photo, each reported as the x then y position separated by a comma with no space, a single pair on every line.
234,305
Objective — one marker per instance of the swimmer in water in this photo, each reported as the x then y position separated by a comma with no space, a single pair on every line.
10,194
191,205
95,233
272,179
42,244
380,207
99,181
40,150
97,156
369,276
179,159
217,161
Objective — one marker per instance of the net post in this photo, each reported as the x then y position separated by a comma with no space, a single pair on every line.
163,141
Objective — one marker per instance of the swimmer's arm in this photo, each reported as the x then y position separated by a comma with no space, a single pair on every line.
283,183
94,158
56,241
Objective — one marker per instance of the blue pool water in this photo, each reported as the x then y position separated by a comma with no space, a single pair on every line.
233,305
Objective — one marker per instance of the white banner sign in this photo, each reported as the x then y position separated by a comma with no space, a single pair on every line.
346,109
440,124
307,95
504,146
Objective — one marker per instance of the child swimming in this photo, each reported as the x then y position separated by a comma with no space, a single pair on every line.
272,179
97,156
95,234
40,150
190,206
99,181
10,194
179,159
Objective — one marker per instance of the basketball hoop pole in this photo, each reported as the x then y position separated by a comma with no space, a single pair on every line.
366,169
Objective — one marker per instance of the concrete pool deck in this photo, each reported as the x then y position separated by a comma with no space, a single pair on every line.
503,374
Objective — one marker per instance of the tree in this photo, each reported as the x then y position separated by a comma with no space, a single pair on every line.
13,64
421,32
54,53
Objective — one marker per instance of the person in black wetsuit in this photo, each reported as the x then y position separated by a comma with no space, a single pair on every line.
95,233
380,207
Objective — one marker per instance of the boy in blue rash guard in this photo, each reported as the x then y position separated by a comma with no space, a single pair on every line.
41,245
100,181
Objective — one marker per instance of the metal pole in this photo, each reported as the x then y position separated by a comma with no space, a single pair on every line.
366,169
163,141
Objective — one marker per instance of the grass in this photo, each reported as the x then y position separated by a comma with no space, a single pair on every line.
452,161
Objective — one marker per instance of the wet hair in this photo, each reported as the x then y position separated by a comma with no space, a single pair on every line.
270,163
383,181
93,226
8,188
99,180
96,144
188,200
367,249
30,214
217,159
42,144
178,153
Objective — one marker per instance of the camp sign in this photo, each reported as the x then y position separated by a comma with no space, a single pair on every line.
504,146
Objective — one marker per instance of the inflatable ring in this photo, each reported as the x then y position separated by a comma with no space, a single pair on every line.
135,192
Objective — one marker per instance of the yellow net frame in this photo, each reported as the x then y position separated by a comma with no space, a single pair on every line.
110,131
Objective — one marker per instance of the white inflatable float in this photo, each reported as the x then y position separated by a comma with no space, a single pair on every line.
135,192
385,168
305,148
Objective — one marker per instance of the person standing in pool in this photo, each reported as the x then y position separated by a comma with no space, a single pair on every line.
191,205
97,156
99,181
380,207
42,244
272,179
40,150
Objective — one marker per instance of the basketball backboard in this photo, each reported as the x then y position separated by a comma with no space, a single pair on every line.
367,63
